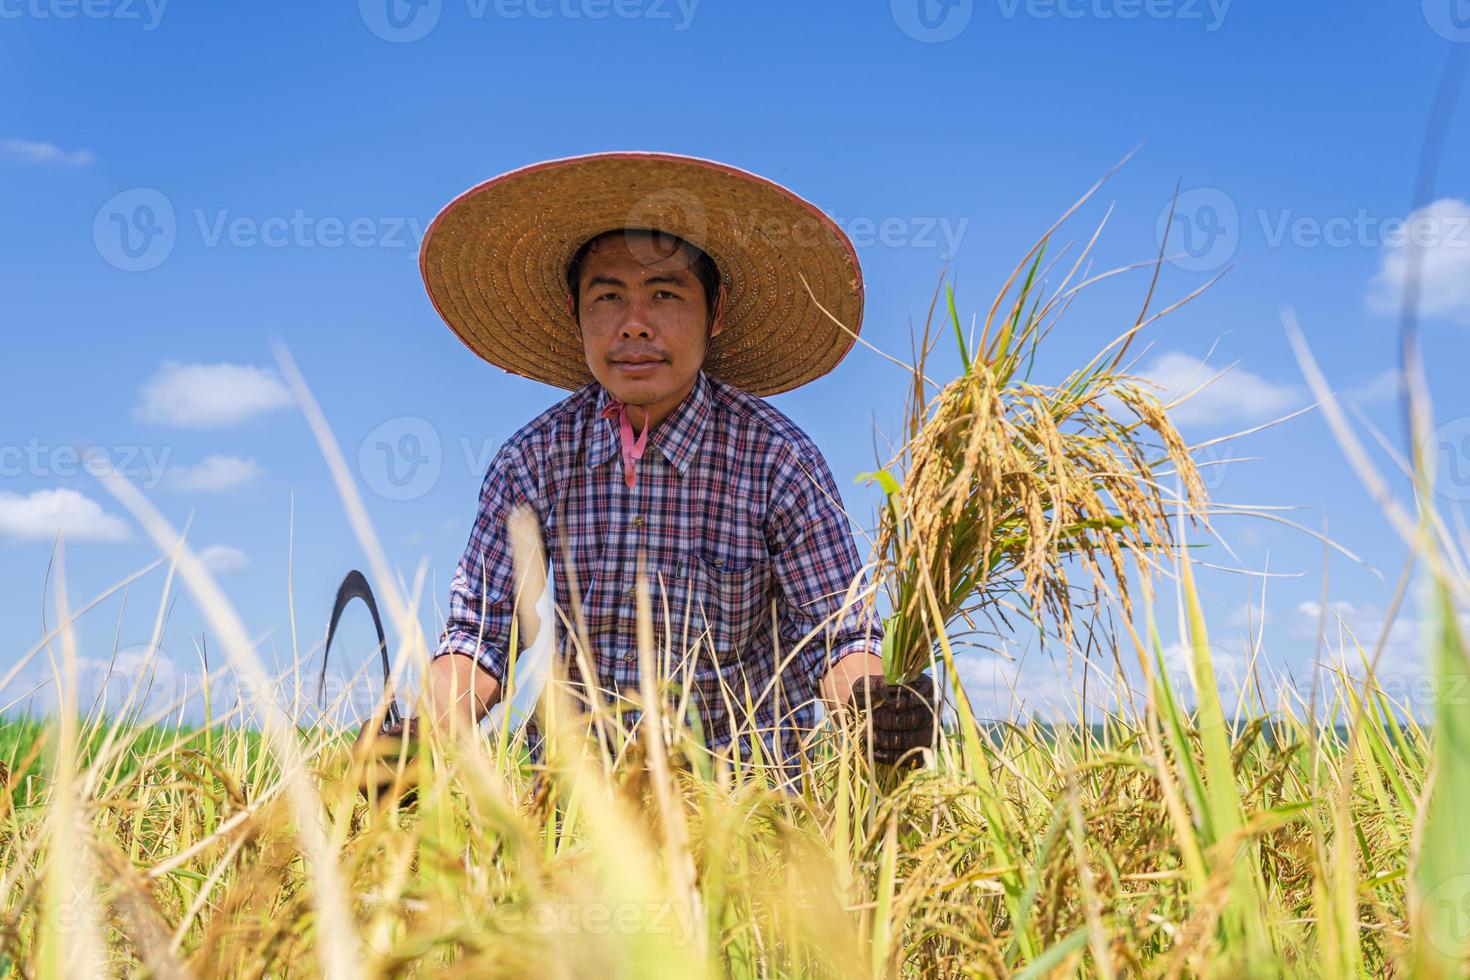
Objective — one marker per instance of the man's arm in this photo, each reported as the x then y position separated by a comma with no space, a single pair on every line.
465,676
460,692
820,575
816,564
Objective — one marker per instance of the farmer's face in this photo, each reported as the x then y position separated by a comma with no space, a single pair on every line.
644,321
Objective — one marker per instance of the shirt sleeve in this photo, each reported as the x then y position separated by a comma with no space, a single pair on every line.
482,593
815,563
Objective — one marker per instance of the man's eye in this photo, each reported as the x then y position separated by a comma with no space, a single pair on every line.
602,296
665,294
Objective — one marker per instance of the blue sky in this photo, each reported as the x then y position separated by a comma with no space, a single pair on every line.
288,157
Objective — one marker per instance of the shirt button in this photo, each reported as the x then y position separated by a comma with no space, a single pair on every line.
626,655
719,563
630,592
638,521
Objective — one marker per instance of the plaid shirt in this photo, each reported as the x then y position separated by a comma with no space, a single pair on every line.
747,550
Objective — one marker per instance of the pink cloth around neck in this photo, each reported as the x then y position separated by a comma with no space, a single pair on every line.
632,449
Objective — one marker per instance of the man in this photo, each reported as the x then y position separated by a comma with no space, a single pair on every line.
668,294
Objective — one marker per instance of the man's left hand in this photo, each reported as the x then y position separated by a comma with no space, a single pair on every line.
902,718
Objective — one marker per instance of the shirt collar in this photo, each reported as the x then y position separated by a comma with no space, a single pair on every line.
677,436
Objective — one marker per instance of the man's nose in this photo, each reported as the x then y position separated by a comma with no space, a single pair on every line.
635,324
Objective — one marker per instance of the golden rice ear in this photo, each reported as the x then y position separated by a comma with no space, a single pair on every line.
1009,483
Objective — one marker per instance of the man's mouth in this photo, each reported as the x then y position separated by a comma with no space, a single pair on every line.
637,363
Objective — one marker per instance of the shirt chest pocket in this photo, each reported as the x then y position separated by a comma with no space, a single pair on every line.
729,601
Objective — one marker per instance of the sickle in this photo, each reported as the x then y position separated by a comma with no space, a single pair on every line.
355,586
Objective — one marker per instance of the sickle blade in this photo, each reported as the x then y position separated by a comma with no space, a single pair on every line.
355,586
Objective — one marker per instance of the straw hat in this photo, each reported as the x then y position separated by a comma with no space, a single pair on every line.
494,262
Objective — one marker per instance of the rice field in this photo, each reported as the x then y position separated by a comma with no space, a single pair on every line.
1176,833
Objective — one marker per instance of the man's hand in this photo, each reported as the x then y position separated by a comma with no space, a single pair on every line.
458,693
898,718
381,753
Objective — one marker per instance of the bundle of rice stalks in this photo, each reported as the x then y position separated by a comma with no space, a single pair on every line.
1006,480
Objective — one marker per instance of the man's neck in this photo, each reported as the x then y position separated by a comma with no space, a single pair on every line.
648,416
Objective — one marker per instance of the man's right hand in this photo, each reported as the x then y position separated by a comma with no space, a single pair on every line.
386,757
459,692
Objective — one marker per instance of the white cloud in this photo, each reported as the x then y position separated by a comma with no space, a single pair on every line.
1338,610
222,559
49,154
1351,635
1440,235
140,682
1382,387
1249,616
1038,686
1235,396
214,474
41,515
202,395
1231,669
146,683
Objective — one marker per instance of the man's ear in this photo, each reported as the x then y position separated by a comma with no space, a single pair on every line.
717,319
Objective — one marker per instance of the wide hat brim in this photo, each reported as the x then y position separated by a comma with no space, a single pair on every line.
494,263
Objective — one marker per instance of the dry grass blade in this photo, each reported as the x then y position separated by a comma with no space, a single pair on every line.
337,938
